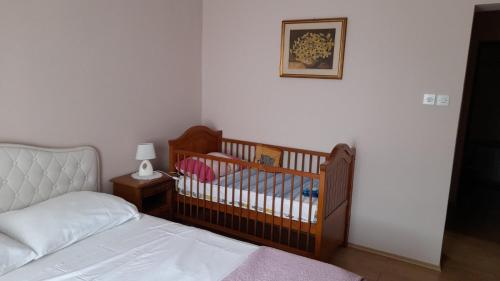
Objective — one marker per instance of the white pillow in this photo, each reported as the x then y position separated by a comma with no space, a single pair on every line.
13,254
61,221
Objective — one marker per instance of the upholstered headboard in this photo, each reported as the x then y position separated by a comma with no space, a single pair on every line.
30,174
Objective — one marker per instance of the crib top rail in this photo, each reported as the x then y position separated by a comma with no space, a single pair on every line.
283,148
180,155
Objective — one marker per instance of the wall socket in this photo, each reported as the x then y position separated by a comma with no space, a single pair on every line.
429,99
443,100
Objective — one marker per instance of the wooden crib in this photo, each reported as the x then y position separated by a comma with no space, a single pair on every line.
316,235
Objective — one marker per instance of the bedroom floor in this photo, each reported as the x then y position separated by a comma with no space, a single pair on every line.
465,259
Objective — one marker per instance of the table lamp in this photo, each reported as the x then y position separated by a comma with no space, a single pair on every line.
145,152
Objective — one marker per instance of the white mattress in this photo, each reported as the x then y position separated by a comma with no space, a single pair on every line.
145,249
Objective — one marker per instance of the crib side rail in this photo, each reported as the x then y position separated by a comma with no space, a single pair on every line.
292,158
183,154
224,204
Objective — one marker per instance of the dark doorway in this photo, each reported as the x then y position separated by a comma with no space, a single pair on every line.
474,207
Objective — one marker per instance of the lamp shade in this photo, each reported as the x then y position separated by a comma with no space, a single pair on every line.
145,151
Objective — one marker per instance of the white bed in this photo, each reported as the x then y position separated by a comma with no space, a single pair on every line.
140,249
144,249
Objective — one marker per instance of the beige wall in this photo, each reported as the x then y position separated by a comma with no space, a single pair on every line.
396,51
110,74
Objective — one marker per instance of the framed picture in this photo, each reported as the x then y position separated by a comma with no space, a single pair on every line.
313,48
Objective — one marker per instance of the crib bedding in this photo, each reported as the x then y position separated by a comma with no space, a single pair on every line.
144,249
259,183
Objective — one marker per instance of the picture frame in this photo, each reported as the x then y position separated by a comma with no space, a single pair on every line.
313,48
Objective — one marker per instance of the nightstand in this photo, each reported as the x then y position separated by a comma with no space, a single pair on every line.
152,197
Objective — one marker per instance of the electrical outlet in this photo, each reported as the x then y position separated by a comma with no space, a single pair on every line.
429,99
443,100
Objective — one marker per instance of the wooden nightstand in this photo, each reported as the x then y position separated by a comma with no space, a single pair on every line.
152,197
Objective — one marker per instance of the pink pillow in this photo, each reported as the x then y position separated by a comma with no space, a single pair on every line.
195,167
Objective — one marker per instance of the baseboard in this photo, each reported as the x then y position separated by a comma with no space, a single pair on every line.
396,257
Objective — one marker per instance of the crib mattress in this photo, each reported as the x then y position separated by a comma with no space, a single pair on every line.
252,190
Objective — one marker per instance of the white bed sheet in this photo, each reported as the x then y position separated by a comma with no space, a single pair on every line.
144,249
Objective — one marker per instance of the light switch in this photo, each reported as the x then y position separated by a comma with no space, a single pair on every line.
429,99
443,100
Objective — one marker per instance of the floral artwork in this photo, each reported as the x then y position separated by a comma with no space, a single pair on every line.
313,48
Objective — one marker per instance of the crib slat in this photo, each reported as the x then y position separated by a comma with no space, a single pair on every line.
318,159
295,163
233,191
198,195
310,162
185,187
265,204
303,162
310,211
178,163
218,191
205,192
241,196
191,193
291,211
282,203
272,208
300,209
225,192
248,199
211,191
256,202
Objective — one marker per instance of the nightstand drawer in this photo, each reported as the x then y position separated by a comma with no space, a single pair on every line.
153,190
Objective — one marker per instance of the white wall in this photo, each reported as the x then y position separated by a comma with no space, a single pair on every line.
395,52
110,74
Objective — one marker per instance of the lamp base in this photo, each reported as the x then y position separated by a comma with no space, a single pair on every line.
145,169
155,175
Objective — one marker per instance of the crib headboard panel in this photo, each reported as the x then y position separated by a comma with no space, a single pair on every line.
199,139
30,174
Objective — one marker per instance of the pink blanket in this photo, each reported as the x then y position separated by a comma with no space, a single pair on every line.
268,264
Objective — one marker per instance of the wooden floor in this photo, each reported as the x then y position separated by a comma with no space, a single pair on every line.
465,258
